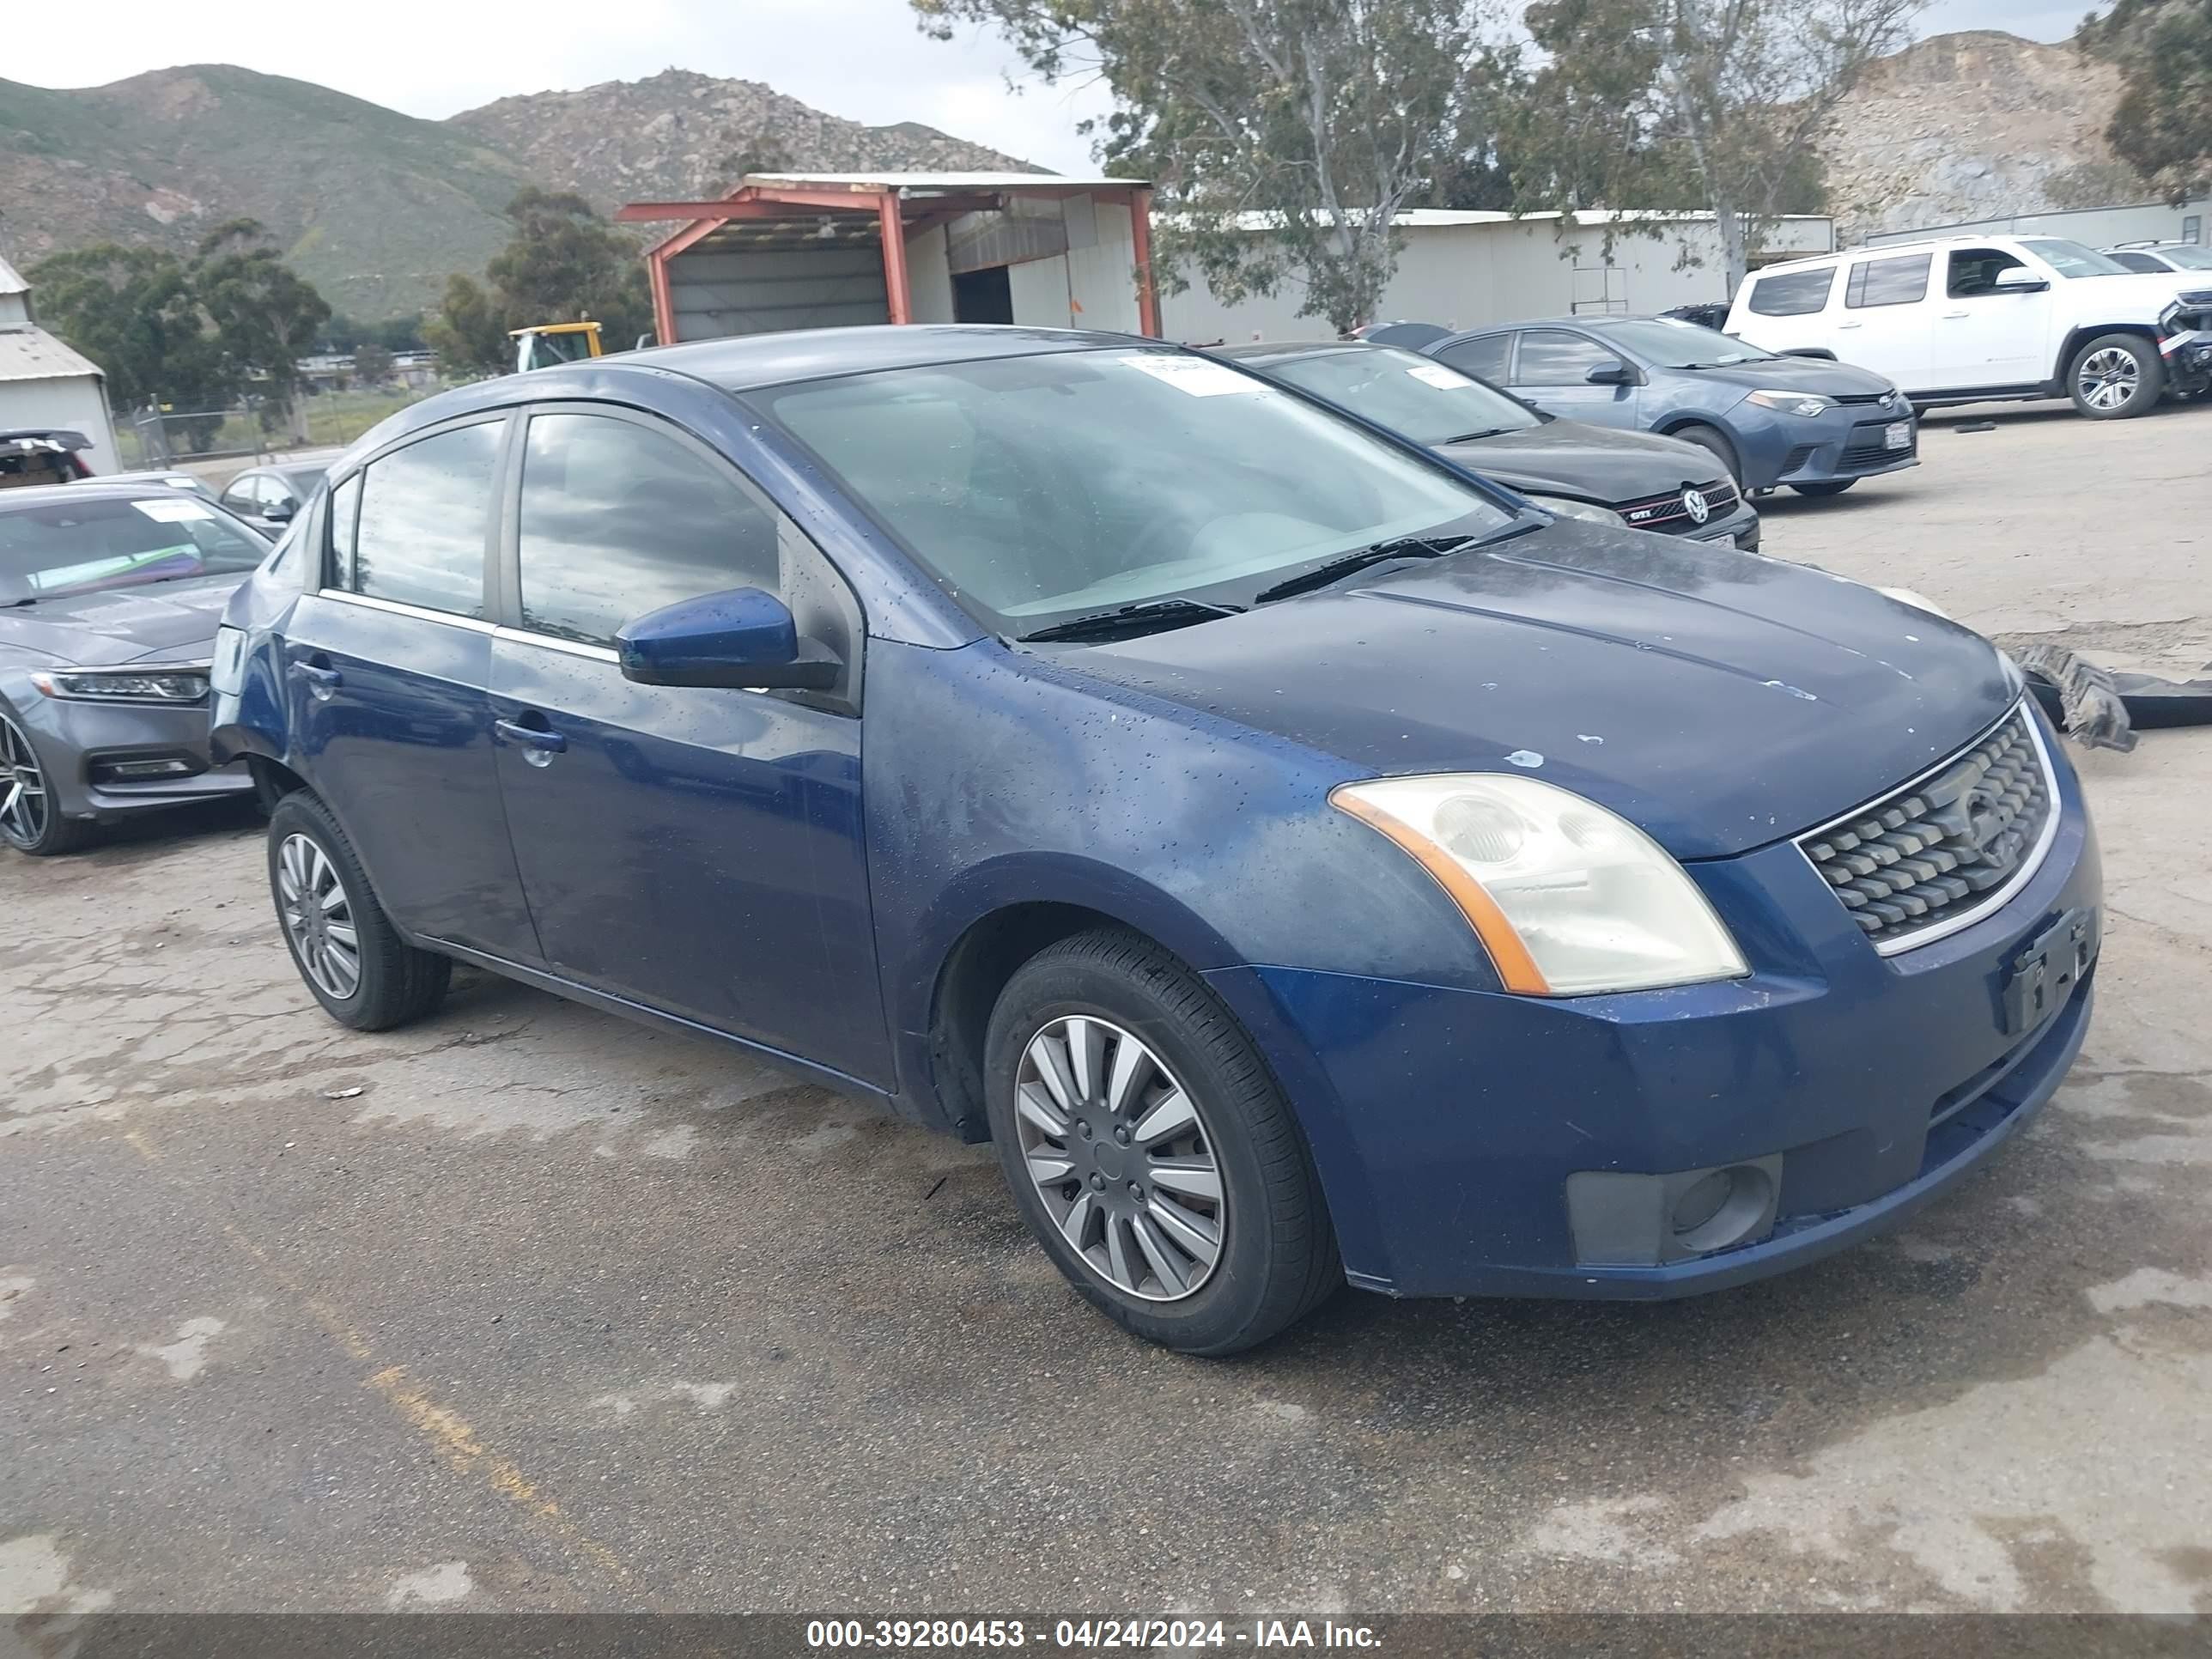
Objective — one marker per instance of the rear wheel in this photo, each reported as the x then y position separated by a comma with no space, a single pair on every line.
1832,487
345,947
1714,440
2115,376
1149,1150
30,817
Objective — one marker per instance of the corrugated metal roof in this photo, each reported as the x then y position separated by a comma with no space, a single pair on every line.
32,353
11,280
882,181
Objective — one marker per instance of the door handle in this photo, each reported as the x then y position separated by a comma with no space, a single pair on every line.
1950,316
1850,325
534,737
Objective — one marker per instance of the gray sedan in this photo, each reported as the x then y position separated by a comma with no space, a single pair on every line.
109,599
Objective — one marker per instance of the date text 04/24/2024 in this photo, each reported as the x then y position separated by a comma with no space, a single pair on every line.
1085,1634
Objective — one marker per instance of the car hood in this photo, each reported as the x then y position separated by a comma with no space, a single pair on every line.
1718,699
173,620
1595,462
1793,374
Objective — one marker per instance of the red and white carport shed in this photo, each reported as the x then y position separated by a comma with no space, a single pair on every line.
825,250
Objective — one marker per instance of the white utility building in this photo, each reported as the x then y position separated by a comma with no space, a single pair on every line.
43,384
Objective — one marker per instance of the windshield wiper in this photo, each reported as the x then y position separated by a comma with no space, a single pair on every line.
1402,547
1473,437
1149,617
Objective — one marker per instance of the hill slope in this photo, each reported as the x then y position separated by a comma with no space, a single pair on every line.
676,135
1972,125
373,207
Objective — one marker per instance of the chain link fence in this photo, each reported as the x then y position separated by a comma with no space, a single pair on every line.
163,435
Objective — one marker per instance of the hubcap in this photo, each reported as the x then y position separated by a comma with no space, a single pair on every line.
24,803
1121,1156
317,917
2108,378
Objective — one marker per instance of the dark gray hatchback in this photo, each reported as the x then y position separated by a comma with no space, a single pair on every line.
1631,480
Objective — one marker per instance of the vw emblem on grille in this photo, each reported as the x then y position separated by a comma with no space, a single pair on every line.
1695,504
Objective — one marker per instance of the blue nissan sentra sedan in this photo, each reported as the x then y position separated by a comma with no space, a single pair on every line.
1302,859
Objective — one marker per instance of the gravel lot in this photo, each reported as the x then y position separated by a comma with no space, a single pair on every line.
532,1308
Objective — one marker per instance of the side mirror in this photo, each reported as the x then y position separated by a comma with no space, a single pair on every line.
2019,279
1612,372
281,511
743,638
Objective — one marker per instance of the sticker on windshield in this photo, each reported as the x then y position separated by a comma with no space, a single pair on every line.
180,511
1193,375
1437,374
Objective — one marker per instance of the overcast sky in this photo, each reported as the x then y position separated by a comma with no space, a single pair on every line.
862,59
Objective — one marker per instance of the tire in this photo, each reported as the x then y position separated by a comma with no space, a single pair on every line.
1275,1258
1712,439
2115,377
28,821
392,982
1831,487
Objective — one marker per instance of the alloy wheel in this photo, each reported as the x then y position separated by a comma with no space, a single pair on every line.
24,806
2108,378
317,917
1121,1155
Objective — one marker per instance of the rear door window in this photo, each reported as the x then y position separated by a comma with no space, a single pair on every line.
1793,293
1484,358
1898,282
424,517
618,519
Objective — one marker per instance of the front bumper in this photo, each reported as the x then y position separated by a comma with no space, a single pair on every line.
1448,1125
1847,442
80,744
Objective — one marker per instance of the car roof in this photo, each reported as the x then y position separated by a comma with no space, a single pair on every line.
1284,351
1884,250
744,362
85,490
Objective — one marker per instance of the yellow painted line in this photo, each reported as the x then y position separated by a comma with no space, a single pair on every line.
454,1438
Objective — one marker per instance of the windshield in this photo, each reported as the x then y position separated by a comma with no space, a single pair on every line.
1406,392
1664,342
2187,258
2072,260
76,547
1036,490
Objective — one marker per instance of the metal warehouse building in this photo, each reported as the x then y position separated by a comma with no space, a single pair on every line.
2096,227
1469,269
44,384
823,250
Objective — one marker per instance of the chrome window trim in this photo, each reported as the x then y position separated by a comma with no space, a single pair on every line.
550,642
1998,898
394,607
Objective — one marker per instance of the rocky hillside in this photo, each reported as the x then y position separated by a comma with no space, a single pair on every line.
1972,125
377,207
680,134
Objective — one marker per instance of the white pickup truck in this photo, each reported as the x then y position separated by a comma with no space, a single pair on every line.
1971,319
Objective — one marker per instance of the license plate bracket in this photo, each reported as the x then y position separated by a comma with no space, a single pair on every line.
2048,967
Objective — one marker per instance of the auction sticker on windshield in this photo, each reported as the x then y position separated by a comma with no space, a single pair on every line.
177,511
1437,374
1193,375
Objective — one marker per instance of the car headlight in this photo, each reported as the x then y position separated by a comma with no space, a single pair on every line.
1572,509
183,683
1568,898
1808,404
1917,601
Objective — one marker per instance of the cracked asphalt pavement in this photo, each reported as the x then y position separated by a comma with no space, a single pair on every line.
530,1308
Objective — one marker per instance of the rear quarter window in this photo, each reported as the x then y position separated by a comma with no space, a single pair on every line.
1793,293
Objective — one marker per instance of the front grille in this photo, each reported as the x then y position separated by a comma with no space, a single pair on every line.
1670,513
1854,400
1942,849
1866,448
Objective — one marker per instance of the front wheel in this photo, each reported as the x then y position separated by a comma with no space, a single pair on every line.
1715,442
1832,487
1150,1151
345,947
31,820
2115,376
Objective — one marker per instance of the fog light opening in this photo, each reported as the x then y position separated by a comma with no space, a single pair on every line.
1722,1208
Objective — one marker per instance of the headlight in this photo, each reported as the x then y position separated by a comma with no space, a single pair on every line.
1568,898
227,673
168,684
1808,404
1590,510
1917,601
